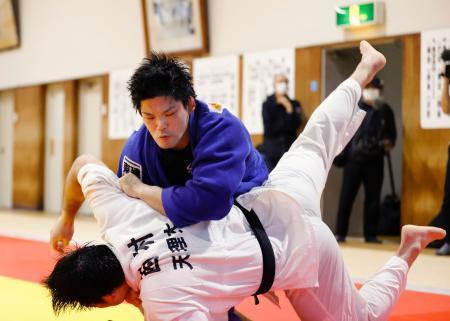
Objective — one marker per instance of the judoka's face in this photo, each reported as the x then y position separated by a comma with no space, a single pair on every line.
114,298
167,120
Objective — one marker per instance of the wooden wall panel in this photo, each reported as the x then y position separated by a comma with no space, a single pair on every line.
70,125
308,66
424,151
111,148
28,157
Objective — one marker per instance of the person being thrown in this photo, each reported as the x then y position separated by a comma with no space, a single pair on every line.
200,271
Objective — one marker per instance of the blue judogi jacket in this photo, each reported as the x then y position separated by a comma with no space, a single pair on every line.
225,165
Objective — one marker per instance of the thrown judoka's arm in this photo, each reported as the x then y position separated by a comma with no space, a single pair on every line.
62,231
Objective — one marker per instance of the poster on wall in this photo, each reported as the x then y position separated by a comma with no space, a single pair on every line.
431,65
176,26
122,118
258,72
9,30
216,80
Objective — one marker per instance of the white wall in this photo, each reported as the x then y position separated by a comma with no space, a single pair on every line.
68,39
238,26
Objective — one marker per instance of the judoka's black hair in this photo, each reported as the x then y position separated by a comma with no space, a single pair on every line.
161,75
82,277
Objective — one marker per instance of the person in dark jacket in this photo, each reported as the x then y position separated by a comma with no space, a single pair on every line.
281,119
445,210
365,162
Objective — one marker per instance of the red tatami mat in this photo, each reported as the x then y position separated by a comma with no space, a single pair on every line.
412,306
25,259
32,260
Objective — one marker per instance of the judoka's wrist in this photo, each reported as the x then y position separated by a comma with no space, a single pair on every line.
141,190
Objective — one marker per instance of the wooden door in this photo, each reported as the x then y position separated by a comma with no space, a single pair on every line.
60,138
28,151
6,147
425,150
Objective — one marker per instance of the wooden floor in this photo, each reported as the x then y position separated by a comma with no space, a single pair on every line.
429,273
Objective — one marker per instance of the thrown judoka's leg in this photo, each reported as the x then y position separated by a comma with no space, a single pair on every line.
303,170
337,299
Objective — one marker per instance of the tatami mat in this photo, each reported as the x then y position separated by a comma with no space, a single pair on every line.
26,258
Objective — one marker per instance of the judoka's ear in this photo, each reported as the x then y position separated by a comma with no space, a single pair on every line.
191,104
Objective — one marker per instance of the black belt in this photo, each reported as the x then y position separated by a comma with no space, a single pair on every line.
268,256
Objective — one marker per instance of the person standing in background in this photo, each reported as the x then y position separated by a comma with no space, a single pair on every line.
281,119
365,162
445,99
445,104
445,210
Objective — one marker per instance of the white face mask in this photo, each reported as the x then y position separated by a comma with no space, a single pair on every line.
371,94
281,88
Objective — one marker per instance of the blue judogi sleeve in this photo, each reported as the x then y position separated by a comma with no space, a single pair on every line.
132,158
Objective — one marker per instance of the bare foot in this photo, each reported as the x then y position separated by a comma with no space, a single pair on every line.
415,238
372,61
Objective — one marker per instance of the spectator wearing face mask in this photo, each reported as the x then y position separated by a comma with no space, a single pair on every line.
281,119
445,104
364,162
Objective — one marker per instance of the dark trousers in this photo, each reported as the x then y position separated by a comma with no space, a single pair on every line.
274,149
370,174
271,162
445,208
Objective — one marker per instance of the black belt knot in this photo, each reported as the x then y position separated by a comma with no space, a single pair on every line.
268,255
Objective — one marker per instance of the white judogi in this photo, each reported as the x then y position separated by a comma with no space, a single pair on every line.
199,272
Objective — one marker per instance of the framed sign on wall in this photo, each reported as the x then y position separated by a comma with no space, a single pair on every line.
175,27
9,32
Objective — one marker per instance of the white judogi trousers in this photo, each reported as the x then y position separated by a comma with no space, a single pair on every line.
336,298
306,165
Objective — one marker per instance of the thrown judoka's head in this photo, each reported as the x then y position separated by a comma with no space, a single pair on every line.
162,92
90,276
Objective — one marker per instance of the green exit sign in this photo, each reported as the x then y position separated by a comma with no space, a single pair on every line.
360,14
